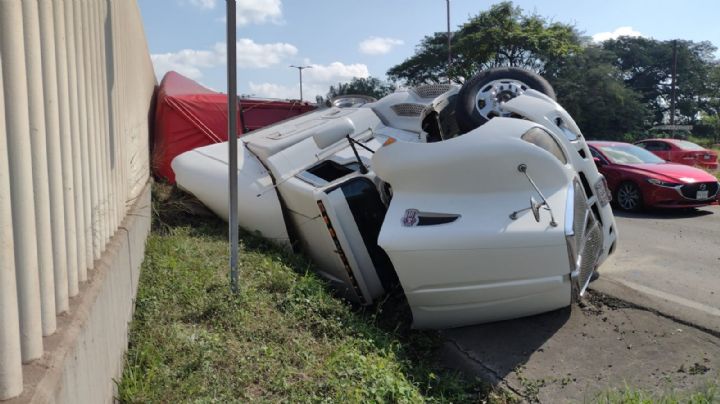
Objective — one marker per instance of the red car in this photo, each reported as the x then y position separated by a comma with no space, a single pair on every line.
638,178
682,152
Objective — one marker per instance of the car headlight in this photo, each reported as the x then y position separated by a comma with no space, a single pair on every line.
660,183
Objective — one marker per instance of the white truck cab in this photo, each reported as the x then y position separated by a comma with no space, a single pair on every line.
482,202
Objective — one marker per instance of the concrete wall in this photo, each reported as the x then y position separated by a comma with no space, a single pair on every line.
76,86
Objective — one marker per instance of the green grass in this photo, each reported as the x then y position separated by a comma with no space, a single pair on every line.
706,395
707,142
284,338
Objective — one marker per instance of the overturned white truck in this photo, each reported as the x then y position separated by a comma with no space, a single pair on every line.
483,202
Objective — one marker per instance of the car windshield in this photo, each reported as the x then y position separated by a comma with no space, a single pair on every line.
629,154
685,145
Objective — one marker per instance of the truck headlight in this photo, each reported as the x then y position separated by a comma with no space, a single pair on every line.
544,140
602,191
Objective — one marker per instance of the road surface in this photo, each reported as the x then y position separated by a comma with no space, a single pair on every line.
672,256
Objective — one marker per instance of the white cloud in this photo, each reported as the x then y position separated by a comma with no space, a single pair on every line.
187,62
258,11
248,11
379,46
191,62
272,90
206,4
316,81
335,72
254,55
618,32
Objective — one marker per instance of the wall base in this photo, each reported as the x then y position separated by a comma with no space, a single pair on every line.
86,355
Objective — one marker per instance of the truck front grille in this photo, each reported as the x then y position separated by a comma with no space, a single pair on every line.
586,243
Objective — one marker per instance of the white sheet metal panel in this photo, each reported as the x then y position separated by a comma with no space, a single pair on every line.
541,109
204,173
483,266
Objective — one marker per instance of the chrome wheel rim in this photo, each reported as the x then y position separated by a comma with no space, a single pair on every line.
628,197
491,97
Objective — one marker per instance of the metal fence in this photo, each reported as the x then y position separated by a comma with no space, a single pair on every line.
76,82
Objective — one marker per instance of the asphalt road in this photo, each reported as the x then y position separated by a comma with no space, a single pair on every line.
670,255
667,262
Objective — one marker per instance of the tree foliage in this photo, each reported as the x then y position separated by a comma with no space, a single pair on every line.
617,87
501,36
647,65
370,86
592,90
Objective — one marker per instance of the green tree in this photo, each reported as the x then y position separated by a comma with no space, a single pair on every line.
647,65
501,36
593,92
711,117
370,86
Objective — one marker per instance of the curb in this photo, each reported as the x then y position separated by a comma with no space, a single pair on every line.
676,309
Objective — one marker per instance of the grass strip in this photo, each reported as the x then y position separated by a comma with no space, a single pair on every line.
284,338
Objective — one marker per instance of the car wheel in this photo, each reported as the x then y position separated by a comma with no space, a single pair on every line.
480,98
629,197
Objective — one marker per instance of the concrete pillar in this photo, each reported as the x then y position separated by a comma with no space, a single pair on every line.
91,197
33,63
97,139
21,180
118,100
105,131
77,155
111,42
81,53
54,153
11,380
93,156
61,57
111,84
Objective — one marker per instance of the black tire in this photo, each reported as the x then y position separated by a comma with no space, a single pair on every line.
628,197
467,113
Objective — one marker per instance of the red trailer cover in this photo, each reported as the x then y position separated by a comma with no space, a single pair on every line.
189,115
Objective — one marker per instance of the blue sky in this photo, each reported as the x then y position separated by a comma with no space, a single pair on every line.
342,39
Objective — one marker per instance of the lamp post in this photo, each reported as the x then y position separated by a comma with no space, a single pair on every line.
449,36
232,142
300,69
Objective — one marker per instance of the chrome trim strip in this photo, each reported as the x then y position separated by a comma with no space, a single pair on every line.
570,210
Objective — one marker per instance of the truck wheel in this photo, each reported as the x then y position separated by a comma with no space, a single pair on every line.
481,98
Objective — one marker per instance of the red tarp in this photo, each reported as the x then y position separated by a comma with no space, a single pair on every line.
189,115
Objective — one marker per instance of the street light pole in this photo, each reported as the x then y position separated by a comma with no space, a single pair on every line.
232,143
447,2
300,69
